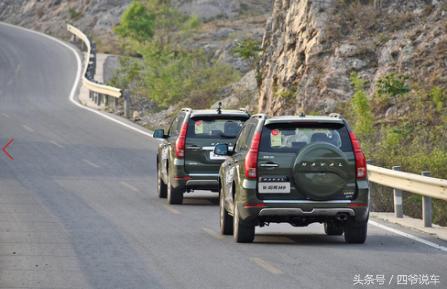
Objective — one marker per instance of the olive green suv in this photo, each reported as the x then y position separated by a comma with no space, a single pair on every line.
186,159
294,169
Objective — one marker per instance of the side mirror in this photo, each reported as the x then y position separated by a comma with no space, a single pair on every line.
159,133
221,149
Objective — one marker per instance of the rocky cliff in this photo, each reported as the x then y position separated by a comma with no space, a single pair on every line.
312,47
95,17
98,17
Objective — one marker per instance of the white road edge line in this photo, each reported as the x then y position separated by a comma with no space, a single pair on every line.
267,266
129,186
91,164
78,80
213,233
409,236
171,209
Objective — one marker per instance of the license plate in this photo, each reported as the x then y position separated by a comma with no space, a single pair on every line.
213,156
274,188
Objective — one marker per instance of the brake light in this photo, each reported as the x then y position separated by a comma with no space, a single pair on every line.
360,160
250,206
357,205
251,160
181,141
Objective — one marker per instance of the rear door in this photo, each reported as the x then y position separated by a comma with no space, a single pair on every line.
306,162
203,135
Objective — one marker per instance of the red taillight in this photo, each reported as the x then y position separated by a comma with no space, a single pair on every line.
185,178
360,160
357,205
181,140
251,160
250,206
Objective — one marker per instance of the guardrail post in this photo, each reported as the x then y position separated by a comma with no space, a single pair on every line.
427,210
398,202
115,104
126,103
99,99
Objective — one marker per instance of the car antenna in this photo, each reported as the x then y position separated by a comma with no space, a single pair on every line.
219,108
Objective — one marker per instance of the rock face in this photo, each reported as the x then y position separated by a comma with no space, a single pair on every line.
312,47
210,9
96,17
229,9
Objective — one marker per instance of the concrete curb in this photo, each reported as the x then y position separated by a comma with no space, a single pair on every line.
412,223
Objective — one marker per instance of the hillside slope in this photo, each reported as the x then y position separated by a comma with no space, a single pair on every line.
312,47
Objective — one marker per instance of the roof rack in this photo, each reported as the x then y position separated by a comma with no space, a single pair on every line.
335,115
259,115
219,107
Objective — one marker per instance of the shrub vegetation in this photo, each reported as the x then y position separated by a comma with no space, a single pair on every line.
164,70
415,138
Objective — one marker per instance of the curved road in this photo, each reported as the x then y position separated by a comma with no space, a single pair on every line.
79,209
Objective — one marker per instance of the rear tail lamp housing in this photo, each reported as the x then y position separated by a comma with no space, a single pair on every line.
360,159
251,159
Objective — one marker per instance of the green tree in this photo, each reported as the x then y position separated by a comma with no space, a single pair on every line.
248,49
439,98
137,23
393,85
360,106
169,72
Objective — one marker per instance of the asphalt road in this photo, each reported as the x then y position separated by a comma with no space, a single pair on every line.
79,209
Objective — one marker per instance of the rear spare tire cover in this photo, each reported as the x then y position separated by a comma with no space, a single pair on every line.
320,171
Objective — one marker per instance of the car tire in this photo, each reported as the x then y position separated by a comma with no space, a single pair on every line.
162,188
332,229
355,233
242,233
226,221
175,195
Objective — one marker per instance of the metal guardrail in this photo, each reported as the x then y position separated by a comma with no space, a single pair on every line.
423,185
93,86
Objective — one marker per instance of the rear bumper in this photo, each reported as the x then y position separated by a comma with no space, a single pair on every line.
186,182
301,216
328,212
255,211
212,185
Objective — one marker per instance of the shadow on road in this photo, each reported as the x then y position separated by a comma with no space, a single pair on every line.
201,198
200,201
314,239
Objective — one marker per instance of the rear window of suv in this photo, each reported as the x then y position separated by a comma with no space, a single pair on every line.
215,128
291,138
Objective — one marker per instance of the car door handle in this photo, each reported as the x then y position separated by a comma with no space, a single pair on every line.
269,165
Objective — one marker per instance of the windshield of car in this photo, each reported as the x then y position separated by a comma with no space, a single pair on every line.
214,128
291,138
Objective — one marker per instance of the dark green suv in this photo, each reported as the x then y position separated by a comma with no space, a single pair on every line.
294,169
186,159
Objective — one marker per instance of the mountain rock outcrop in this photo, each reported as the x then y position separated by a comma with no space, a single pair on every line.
312,47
